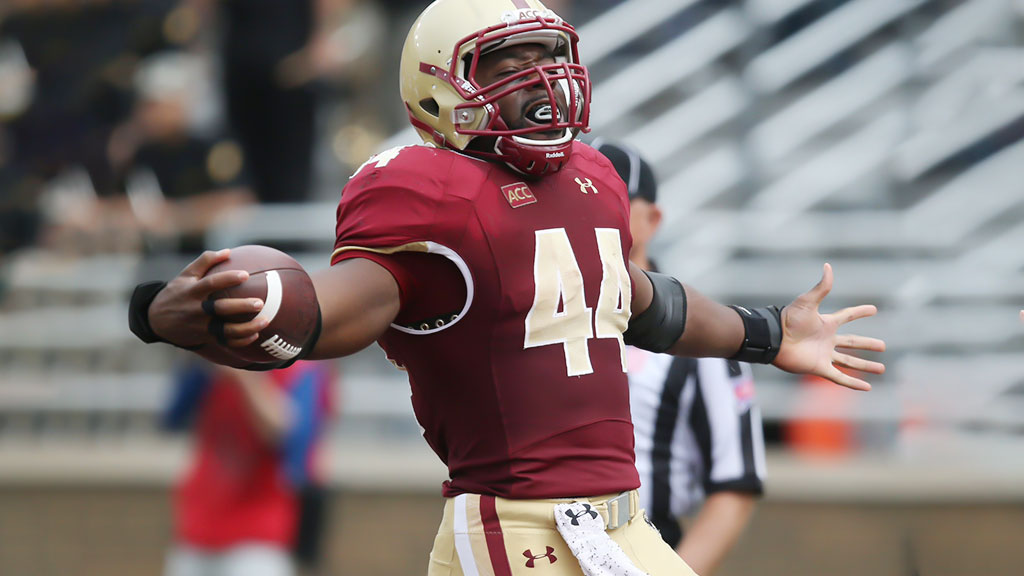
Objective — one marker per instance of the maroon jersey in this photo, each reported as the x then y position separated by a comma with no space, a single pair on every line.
520,385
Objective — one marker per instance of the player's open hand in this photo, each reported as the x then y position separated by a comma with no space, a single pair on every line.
182,314
810,344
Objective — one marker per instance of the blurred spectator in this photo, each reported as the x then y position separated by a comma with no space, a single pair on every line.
698,435
272,52
398,15
19,213
80,57
178,182
239,509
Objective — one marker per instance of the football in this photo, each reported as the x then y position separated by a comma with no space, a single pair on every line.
289,302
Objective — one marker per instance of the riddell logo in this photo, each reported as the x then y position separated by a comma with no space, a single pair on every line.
550,155
518,194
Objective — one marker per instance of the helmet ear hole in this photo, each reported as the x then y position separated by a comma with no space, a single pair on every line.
430,106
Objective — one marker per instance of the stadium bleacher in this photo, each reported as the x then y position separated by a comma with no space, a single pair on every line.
883,136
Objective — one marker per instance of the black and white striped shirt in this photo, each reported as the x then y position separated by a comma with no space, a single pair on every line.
697,431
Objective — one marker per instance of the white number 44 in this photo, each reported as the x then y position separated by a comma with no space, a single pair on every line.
560,314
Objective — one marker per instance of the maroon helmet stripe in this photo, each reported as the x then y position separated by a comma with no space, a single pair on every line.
520,4
495,539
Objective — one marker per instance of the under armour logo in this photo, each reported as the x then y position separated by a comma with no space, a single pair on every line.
576,516
585,185
531,557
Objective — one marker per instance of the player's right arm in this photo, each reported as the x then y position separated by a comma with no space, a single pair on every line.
359,299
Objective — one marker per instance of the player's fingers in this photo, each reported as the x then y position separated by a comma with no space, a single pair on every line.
219,281
854,313
244,330
208,259
844,379
232,306
241,342
855,342
815,295
848,361
1022,314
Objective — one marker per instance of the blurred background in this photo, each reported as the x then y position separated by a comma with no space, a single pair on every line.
883,136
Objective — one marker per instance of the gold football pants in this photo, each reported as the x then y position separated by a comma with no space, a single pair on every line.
490,536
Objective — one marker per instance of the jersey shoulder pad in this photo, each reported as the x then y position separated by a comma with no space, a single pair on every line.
397,197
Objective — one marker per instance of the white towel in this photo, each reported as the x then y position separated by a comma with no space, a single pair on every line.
582,528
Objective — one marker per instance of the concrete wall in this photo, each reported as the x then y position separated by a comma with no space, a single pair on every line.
123,531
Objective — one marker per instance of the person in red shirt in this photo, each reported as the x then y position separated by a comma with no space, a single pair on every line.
237,509
490,263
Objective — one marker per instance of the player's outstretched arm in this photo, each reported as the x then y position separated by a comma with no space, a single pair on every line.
683,322
359,299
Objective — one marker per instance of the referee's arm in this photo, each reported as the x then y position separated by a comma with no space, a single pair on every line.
735,450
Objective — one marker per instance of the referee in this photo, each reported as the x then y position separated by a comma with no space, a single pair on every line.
698,430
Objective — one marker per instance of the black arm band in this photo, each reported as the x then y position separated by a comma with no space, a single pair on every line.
763,334
138,311
306,350
660,326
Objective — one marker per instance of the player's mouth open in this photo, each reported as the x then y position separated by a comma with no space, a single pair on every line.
542,113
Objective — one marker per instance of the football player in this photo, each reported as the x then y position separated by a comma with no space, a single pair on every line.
490,263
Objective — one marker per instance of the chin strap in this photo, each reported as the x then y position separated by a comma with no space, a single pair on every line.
533,160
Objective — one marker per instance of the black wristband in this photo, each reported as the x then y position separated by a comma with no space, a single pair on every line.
762,334
138,311
138,314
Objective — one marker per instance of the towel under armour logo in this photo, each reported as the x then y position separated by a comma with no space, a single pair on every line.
575,516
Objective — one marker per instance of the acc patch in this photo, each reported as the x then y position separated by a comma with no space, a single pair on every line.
518,194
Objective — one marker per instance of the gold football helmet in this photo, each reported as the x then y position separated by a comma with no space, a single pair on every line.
449,108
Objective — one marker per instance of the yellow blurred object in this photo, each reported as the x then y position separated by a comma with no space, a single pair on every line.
225,161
